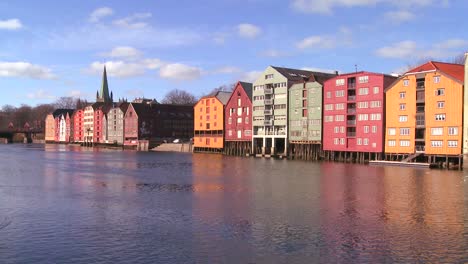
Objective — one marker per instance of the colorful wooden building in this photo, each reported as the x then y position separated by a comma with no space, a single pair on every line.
353,115
305,118
424,114
78,126
270,108
136,125
209,122
238,120
50,128
115,123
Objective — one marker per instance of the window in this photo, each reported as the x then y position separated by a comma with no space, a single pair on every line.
342,141
339,93
440,92
328,107
440,117
392,143
403,118
375,117
376,104
452,143
339,118
437,143
374,129
453,131
230,132
436,79
440,104
328,94
363,117
342,128
363,91
359,141
238,102
328,118
339,82
376,90
363,105
405,82
366,141
437,131
363,79
366,129
269,76
404,131
337,129
404,143
402,106
239,120
247,120
402,95
336,141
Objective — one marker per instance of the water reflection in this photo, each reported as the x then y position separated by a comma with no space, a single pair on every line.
66,204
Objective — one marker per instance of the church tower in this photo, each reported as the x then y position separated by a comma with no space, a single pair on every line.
104,96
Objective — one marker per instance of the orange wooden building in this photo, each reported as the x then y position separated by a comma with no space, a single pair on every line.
209,122
424,112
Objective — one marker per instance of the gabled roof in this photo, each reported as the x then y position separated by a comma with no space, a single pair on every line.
456,71
247,88
141,109
61,111
123,106
295,75
223,97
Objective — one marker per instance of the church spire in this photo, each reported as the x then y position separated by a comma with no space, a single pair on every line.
104,96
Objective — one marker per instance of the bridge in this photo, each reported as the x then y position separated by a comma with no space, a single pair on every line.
28,134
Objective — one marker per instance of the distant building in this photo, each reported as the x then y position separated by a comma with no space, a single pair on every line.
58,126
88,123
115,123
50,128
238,120
424,112
104,96
78,126
209,122
353,113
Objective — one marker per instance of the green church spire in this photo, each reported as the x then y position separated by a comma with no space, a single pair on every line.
104,96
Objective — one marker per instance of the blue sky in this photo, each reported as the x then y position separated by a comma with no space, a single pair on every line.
50,48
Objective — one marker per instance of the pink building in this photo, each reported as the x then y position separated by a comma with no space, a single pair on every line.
353,112
238,120
78,125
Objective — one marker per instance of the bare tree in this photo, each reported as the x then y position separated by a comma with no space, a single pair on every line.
179,97
65,102
459,59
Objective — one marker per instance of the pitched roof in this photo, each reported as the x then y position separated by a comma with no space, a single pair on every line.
296,75
61,111
247,88
456,71
123,106
223,96
142,109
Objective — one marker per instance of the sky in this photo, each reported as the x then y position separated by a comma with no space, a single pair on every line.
50,49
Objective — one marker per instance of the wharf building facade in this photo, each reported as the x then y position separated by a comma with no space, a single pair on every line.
270,109
305,118
354,116
238,120
424,114
209,114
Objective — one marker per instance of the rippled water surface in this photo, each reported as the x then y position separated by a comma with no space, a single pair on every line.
70,205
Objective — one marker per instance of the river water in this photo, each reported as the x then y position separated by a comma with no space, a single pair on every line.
62,204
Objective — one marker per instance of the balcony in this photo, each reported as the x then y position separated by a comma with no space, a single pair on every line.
351,86
420,148
268,90
268,112
351,111
351,134
268,122
351,122
268,101
351,98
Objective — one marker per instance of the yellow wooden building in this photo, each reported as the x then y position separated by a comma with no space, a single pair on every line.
424,111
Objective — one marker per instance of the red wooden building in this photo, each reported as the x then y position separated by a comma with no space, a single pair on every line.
353,114
78,129
100,109
238,120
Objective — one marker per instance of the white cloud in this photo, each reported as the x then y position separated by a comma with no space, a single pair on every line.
78,94
248,30
400,16
124,52
100,13
327,6
400,50
11,24
410,49
227,70
134,21
40,95
316,42
119,69
25,70
178,71
250,76
153,64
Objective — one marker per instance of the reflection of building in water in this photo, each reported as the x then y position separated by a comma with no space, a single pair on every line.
429,205
221,211
352,206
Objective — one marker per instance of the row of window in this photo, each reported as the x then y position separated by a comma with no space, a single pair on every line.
302,133
240,110
302,123
373,117
434,143
436,79
239,133
438,92
239,120
435,131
